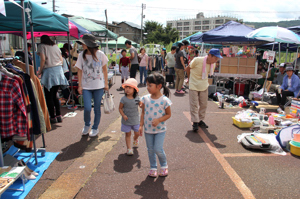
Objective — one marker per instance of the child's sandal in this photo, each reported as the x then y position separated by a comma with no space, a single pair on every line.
163,172
152,173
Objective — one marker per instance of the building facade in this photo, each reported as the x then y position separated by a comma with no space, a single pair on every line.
203,24
129,30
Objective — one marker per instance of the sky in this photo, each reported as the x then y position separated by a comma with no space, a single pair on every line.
163,10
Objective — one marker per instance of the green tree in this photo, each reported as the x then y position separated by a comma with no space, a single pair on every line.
156,33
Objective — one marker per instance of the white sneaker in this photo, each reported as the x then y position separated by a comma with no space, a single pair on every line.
136,143
93,132
85,130
129,152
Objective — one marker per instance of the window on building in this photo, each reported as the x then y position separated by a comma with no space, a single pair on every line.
220,21
186,23
226,20
121,30
169,24
197,27
179,24
186,33
186,28
197,22
179,28
206,22
205,28
127,29
180,33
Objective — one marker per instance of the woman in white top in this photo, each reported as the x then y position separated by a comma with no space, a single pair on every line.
143,66
92,80
52,75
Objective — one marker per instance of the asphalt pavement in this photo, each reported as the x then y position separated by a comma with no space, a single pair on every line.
207,164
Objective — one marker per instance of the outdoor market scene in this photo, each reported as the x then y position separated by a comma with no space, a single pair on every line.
93,105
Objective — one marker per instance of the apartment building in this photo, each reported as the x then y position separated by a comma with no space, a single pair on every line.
201,23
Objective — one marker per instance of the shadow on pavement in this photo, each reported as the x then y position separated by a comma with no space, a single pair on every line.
76,149
194,137
213,139
150,189
125,163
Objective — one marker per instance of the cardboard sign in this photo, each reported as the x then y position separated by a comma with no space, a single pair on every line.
271,56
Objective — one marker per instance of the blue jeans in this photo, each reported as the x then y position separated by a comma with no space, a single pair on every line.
155,147
87,99
143,71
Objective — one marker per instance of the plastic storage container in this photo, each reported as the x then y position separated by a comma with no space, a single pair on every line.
294,149
242,125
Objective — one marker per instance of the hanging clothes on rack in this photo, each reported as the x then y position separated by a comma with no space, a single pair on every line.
39,90
14,121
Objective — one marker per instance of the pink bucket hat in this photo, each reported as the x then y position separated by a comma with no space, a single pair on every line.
132,83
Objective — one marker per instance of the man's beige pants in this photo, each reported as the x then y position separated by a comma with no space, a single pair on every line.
198,104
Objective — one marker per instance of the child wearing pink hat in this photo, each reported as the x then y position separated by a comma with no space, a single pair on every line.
128,108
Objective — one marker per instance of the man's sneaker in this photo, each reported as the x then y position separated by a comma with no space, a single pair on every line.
135,143
53,120
93,132
85,130
129,152
202,124
195,126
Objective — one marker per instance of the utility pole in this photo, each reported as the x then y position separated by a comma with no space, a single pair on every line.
53,5
106,50
143,16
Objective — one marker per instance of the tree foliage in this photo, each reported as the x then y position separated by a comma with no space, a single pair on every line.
156,33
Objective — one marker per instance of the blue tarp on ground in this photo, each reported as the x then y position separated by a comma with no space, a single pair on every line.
230,32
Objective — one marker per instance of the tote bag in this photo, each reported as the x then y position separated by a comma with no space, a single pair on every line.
108,103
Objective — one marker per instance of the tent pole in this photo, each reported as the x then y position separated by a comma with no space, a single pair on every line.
33,48
286,53
279,53
296,58
70,74
25,37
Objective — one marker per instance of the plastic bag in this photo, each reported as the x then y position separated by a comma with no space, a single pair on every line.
108,103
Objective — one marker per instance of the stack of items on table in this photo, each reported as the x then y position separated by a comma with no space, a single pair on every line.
267,127
269,97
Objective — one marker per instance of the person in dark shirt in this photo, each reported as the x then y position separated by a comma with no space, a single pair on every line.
22,56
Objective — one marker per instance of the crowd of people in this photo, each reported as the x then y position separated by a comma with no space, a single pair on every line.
181,63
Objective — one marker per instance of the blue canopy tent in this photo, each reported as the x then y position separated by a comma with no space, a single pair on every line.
229,33
295,29
187,38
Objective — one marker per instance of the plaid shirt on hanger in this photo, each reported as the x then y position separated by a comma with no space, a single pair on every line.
13,118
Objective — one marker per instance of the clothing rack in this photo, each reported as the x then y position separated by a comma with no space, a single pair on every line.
42,150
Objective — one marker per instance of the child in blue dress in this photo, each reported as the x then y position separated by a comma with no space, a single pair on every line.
155,111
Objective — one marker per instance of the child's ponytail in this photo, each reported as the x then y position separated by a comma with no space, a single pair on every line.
166,90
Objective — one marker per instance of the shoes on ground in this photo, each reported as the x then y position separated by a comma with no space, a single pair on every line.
195,126
163,172
85,130
59,119
120,89
202,124
135,143
180,92
93,132
152,173
129,152
53,120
